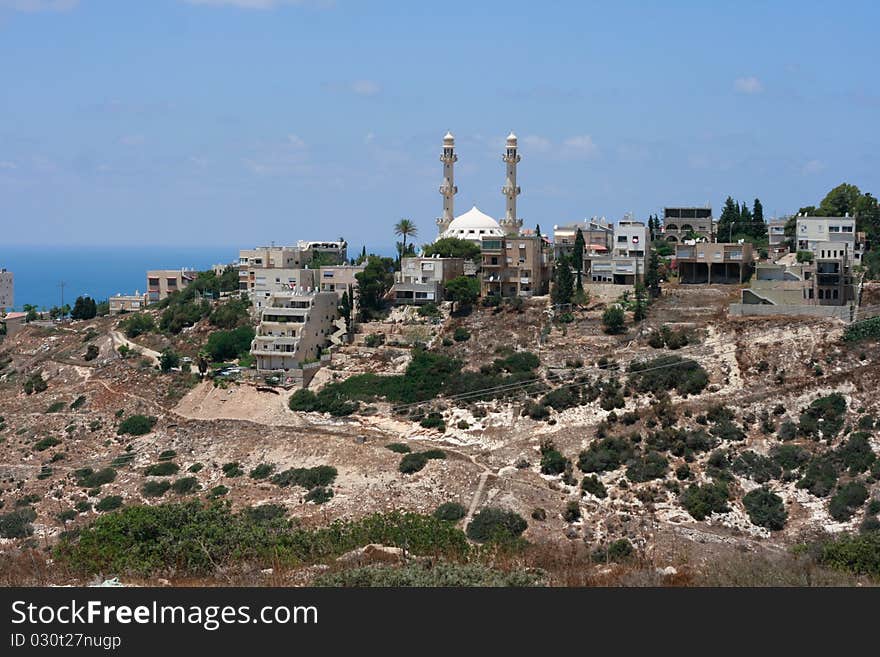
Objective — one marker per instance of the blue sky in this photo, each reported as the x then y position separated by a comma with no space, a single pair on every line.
244,121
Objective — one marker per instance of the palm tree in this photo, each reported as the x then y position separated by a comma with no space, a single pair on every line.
405,228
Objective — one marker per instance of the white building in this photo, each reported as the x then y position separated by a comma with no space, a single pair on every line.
7,290
294,329
422,280
127,303
812,232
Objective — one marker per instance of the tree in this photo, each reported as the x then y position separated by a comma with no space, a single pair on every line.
31,311
225,345
577,258
84,308
405,228
613,319
759,228
452,247
730,215
374,283
640,311
652,275
345,309
563,282
168,360
202,363
840,201
463,290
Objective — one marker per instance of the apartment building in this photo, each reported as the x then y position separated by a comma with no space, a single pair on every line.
708,262
598,237
776,237
811,233
163,282
625,259
7,290
423,280
127,303
681,222
826,281
293,257
515,266
261,283
339,278
294,329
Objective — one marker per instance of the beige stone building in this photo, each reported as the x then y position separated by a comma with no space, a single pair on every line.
7,290
713,262
422,280
162,282
680,222
127,303
516,266
340,278
295,327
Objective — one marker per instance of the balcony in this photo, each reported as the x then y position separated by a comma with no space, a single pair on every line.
525,280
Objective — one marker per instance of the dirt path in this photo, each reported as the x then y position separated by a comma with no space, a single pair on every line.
117,340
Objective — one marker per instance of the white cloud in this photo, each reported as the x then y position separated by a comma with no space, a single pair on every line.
296,141
812,166
581,145
38,5
365,87
748,85
132,140
536,143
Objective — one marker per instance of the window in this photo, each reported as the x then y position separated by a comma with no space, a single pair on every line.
847,229
621,239
834,293
833,229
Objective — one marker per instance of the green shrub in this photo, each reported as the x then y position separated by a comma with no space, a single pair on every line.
399,448
79,402
700,501
265,512
137,324
848,498
450,511
553,462
109,503
413,462
666,373
856,453
790,457
17,524
605,455
756,467
46,443
83,506
824,416
594,486
195,467
167,455
319,495
66,515
54,407
765,508
185,485
218,491
461,334
493,524
155,488
322,475
434,454
374,340
88,478
434,574
645,468
855,554
262,471
136,425
430,309
228,345
35,383
162,469
620,550
863,330
434,421
232,469
820,476
613,320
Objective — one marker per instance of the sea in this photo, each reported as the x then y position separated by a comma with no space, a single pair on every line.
102,271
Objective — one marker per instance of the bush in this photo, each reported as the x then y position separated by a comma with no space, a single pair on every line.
265,512
820,477
92,352
605,455
136,425
854,554
613,320
553,462
185,485
666,373
83,506
227,345
824,416
54,407
856,453
594,486
155,488
539,514
461,334
434,574
163,469
262,471
17,524
846,500
218,491
109,503
651,466
322,475
168,360
46,443
319,495
399,448
327,401
137,324
790,457
765,509
411,463
374,340
430,309
493,524
450,512
700,501
77,403
434,454
195,467
434,421
35,383
756,467
232,469
66,515
620,550
864,330
88,478
572,512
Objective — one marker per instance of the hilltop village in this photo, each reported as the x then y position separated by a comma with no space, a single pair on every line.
685,399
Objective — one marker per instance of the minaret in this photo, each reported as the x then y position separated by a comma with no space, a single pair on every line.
511,223
448,188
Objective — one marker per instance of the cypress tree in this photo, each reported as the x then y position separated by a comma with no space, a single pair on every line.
578,258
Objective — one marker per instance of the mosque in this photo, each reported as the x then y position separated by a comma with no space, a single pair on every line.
475,224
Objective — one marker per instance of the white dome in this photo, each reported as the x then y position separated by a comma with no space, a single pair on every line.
448,137
473,225
511,137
